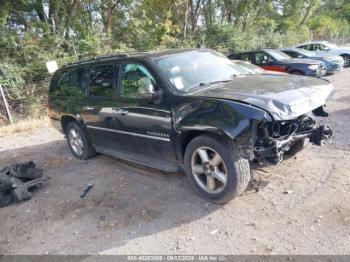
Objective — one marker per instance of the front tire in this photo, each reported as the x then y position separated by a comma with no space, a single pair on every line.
78,142
346,60
215,169
297,147
297,73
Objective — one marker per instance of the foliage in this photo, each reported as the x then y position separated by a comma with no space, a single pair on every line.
33,32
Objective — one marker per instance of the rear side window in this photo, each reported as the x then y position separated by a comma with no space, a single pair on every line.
101,80
246,57
306,47
70,83
291,54
317,47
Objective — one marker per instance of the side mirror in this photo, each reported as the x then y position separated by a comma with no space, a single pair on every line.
300,56
327,49
147,90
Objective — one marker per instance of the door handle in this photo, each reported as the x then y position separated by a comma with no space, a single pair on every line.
121,112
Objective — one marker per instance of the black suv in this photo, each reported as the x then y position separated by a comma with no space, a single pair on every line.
189,109
275,60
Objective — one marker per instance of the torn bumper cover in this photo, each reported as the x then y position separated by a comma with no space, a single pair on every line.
271,140
17,180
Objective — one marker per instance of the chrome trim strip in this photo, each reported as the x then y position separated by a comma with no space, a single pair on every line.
129,133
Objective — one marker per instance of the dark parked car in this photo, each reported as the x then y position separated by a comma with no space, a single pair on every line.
275,60
188,110
333,63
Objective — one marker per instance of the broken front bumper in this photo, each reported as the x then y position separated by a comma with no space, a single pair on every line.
271,140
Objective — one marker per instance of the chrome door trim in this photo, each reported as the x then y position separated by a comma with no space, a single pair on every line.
129,133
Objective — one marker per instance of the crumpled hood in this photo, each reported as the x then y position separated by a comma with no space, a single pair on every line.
285,97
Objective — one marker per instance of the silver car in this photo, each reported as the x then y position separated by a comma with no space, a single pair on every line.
333,63
324,47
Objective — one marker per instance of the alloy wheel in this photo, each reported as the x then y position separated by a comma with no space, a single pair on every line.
209,170
76,141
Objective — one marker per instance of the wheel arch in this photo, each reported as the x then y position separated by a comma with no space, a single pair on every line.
238,135
187,136
344,56
66,119
224,119
294,70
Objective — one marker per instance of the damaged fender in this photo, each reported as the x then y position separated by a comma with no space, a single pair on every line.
222,117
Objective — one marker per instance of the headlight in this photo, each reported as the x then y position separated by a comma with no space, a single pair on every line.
313,67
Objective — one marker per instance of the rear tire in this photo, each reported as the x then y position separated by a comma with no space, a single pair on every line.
78,142
298,73
224,175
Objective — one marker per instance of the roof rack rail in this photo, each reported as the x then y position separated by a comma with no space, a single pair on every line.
107,57
96,58
110,56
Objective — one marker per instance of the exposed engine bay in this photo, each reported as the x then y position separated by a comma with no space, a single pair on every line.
271,140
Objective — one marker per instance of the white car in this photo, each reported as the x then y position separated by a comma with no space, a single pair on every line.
324,47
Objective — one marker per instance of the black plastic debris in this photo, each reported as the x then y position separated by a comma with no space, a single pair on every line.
17,180
86,190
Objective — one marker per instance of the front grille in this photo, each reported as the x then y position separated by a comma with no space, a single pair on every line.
283,129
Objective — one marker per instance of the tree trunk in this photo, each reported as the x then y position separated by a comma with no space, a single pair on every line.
194,15
307,13
186,19
39,8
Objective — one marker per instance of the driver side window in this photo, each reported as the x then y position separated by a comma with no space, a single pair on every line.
134,78
262,58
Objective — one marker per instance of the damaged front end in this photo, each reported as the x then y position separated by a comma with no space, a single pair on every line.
272,139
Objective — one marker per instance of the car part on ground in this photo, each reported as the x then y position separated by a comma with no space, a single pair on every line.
86,190
17,180
324,47
189,109
334,63
275,60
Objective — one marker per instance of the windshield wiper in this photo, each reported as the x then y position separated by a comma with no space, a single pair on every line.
213,82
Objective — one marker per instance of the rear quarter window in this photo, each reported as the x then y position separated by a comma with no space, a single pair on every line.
69,83
291,54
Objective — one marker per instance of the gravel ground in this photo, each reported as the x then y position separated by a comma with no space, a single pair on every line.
302,206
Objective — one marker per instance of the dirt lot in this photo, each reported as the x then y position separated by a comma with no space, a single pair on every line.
134,210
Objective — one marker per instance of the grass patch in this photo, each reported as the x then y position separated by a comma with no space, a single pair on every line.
24,125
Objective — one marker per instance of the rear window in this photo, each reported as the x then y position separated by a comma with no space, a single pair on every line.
101,81
69,83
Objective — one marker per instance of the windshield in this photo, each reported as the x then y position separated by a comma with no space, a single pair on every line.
199,68
278,55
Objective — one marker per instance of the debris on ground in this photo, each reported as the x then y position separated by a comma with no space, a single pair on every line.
17,180
86,190
214,231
